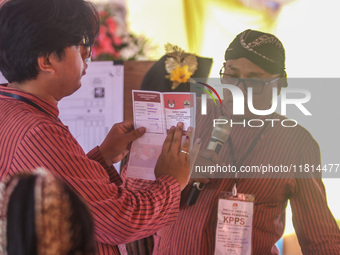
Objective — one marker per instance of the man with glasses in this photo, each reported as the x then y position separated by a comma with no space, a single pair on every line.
44,45
255,63
257,85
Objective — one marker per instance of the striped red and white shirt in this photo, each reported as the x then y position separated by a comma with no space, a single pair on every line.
31,138
194,230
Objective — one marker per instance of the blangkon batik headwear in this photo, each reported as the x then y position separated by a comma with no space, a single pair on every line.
263,49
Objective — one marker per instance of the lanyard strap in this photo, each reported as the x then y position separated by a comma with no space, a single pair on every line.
251,147
23,99
245,156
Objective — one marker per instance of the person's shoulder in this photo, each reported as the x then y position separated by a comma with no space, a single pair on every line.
18,115
291,128
27,119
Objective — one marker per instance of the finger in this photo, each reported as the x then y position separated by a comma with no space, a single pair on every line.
135,134
168,140
194,152
187,139
185,149
177,139
127,125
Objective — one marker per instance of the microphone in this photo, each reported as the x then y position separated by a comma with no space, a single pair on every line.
219,136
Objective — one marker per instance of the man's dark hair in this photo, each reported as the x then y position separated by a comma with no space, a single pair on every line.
33,28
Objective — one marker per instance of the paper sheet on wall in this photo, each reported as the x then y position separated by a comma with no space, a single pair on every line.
93,109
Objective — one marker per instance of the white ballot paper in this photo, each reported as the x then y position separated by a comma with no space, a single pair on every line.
157,112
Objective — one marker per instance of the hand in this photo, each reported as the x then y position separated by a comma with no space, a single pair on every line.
205,158
117,143
173,159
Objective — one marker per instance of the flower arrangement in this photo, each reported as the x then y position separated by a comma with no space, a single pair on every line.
179,65
114,42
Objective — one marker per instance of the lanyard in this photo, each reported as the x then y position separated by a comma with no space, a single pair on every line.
245,156
23,99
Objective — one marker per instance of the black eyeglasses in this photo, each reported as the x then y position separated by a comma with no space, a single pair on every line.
85,43
257,84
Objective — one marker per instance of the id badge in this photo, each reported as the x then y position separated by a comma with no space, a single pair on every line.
234,224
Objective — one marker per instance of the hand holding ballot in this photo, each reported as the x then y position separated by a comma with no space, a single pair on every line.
159,113
174,159
118,141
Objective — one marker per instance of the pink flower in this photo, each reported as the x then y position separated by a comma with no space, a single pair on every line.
117,40
103,44
111,40
102,33
102,13
111,25
96,51
106,44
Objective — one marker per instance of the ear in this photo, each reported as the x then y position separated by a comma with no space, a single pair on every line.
45,64
278,86
282,83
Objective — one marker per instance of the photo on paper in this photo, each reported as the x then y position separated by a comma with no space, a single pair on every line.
143,157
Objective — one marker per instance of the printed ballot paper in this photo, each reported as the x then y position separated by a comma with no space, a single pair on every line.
157,112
